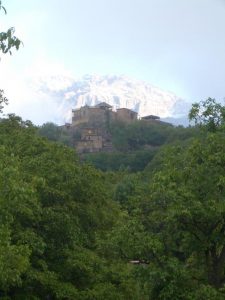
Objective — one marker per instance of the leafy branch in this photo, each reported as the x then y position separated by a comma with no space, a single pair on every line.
7,39
3,100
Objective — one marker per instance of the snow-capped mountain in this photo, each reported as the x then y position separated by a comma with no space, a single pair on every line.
118,91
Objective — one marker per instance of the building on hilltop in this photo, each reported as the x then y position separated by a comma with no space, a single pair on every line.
92,123
100,114
95,115
126,115
90,126
150,118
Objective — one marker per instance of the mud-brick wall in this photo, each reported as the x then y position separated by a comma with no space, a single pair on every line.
126,115
95,144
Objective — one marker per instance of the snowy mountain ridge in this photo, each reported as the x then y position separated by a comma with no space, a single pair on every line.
118,91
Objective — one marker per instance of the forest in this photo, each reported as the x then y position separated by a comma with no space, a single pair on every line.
72,231
144,223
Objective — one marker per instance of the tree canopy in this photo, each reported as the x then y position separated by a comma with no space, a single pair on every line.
54,213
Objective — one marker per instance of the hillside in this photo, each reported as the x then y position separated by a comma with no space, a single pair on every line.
132,145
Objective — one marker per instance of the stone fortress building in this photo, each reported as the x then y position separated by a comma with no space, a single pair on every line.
90,126
90,123
100,114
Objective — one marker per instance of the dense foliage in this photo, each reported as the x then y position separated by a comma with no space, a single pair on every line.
177,216
134,136
56,133
131,161
54,212
69,231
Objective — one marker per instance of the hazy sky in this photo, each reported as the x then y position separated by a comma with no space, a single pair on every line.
178,45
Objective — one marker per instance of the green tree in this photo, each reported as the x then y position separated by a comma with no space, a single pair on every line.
56,133
187,210
8,40
179,220
55,213
3,100
188,197
209,114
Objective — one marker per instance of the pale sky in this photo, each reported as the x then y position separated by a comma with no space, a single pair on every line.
177,45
